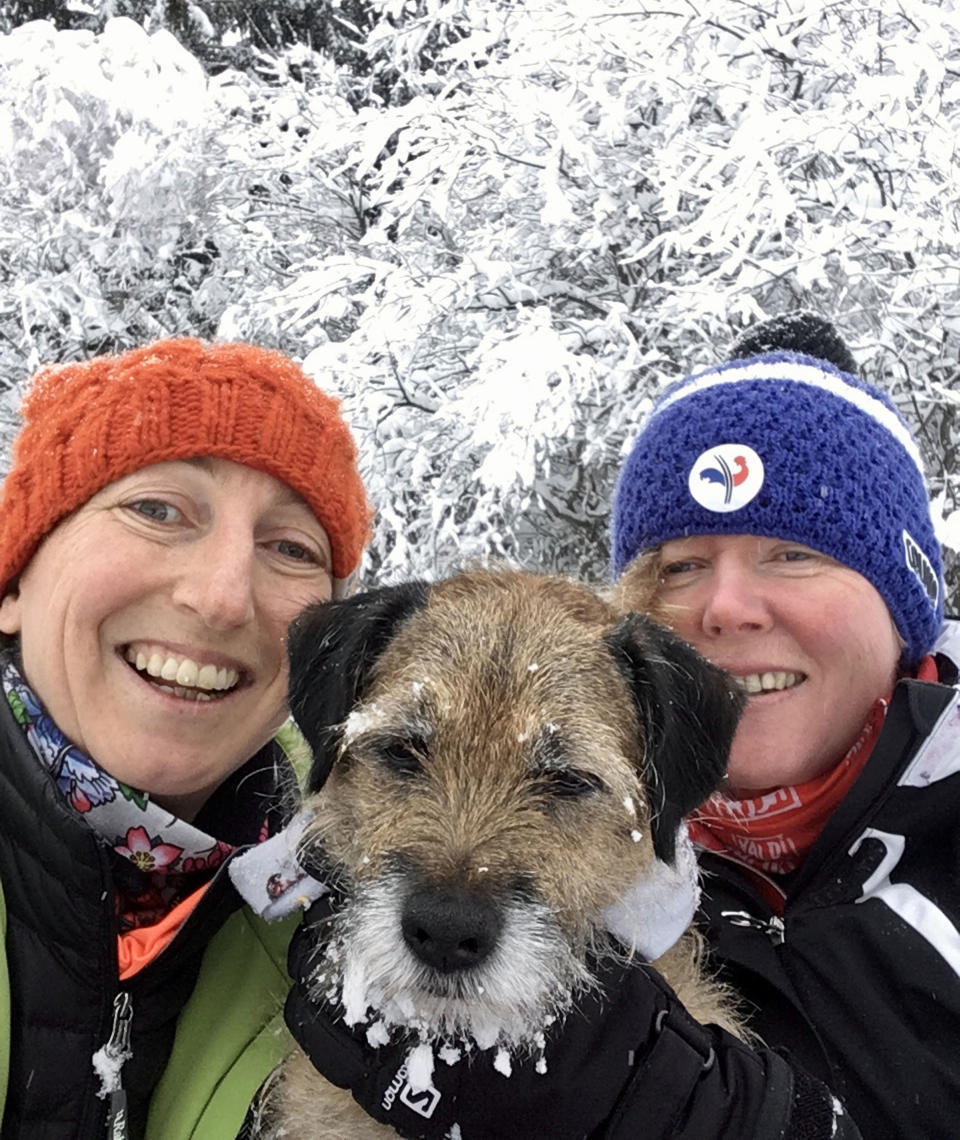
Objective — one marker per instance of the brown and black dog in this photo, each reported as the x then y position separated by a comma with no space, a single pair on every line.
499,759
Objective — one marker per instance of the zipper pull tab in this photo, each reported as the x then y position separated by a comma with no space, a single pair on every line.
773,926
108,1062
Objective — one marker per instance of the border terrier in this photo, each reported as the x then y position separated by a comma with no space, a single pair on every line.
504,762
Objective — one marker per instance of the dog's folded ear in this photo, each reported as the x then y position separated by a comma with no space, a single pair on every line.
688,711
333,647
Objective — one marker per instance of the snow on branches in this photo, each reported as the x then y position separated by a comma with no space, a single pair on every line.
503,233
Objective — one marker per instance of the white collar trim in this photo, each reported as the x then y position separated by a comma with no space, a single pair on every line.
659,906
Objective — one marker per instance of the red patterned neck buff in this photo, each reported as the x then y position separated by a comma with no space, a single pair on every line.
773,832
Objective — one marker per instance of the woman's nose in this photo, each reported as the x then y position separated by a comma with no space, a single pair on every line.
216,582
736,603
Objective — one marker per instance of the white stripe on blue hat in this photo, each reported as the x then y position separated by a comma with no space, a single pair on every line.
809,374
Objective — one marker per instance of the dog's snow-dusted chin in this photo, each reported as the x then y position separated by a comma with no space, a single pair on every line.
531,978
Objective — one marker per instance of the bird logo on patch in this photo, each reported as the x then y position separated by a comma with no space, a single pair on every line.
726,477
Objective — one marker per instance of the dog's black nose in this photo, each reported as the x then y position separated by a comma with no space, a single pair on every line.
450,929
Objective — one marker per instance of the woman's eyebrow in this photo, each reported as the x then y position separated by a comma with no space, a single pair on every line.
206,463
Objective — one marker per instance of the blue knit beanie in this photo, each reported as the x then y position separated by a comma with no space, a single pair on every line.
786,444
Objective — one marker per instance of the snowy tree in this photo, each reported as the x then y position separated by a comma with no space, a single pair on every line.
103,194
496,229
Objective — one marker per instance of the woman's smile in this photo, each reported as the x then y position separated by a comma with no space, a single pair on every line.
766,681
181,673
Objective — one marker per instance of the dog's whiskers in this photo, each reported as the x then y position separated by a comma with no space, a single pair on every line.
531,978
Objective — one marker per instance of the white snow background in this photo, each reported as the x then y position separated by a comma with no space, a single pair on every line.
500,241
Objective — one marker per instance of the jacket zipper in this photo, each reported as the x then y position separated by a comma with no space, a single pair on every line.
108,1061
773,926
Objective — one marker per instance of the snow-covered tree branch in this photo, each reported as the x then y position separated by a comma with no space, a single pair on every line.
494,228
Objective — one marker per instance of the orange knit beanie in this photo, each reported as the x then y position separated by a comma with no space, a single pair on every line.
89,423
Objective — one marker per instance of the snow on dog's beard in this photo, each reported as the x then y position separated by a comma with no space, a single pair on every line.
529,979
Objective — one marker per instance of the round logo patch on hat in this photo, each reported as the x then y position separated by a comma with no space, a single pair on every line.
726,477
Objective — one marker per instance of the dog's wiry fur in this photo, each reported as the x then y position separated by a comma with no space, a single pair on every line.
506,755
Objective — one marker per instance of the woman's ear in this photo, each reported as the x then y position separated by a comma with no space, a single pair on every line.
10,612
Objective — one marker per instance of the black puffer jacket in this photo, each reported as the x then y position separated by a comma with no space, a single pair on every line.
58,883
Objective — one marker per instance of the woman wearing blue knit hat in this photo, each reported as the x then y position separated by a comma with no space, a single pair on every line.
772,511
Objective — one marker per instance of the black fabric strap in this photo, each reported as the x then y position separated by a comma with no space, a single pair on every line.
681,1053
698,1080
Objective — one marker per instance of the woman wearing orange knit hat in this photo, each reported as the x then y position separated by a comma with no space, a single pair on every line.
169,511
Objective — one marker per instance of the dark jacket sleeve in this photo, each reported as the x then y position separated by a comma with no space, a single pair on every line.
699,1081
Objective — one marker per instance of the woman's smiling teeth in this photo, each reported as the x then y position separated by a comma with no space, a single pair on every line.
183,676
769,682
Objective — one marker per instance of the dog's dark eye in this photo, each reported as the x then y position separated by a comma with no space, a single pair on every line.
569,783
402,756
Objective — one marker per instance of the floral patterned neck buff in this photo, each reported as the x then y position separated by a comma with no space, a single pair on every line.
170,857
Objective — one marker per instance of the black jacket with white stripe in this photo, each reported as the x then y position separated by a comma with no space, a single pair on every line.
860,978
